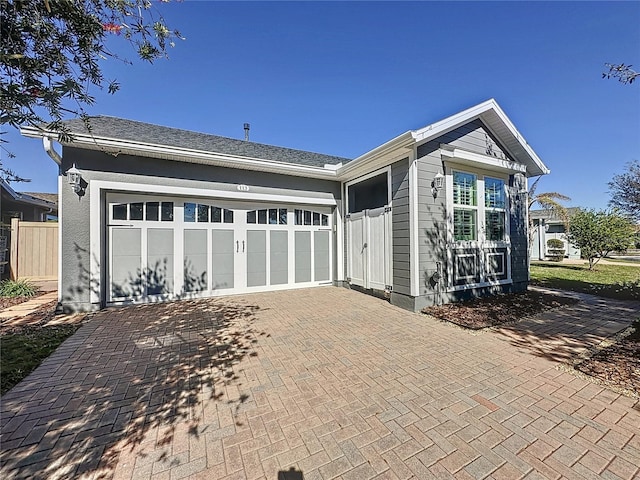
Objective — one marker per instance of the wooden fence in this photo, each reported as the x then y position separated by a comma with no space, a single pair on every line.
34,250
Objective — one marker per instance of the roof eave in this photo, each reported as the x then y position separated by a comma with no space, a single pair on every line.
118,147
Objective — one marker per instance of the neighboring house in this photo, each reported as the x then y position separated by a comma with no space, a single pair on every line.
28,207
431,216
548,225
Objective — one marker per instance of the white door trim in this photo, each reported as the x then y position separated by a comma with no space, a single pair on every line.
97,190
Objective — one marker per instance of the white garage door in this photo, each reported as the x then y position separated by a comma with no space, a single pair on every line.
162,247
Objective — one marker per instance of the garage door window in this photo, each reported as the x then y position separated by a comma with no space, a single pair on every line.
202,213
149,211
270,216
307,217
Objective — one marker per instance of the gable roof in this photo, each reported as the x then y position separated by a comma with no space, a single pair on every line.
35,199
106,127
47,197
122,136
488,112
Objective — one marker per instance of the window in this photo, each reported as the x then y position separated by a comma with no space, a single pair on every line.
201,213
472,217
307,217
149,211
494,202
268,216
464,206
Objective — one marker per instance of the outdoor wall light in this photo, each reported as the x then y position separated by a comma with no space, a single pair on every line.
437,184
74,177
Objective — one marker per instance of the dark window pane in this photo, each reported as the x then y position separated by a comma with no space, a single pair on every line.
495,225
251,216
298,217
203,213
273,216
135,211
166,215
216,214
316,218
464,224
494,192
262,216
283,216
325,220
307,217
228,216
153,211
189,212
120,212
464,188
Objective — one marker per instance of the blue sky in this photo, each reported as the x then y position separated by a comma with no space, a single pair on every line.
343,77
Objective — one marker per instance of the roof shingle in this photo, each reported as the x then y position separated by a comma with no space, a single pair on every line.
147,133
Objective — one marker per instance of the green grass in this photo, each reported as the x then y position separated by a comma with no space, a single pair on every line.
23,352
613,281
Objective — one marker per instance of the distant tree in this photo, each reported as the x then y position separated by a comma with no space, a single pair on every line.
624,73
625,191
50,52
548,201
598,233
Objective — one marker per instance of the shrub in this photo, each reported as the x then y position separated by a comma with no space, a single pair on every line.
17,288
555,247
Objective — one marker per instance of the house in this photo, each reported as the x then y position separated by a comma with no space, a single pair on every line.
28,207
548,225
155,213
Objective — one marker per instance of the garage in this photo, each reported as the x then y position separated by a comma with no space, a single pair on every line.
164,247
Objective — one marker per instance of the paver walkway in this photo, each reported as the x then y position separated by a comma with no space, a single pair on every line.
328,382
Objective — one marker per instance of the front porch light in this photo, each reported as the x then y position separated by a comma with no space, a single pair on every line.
437,184
74,177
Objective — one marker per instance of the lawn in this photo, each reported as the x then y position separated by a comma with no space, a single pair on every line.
23,352
613,281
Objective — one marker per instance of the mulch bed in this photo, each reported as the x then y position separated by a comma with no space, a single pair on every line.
497,310
45,316
616,365
6,302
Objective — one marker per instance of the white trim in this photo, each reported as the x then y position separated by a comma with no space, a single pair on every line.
483,111
188,155
504,262
471,286
235,195
374,173
99,189
477,160
414,252
59,238
339,235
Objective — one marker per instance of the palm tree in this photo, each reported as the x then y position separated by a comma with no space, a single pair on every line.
548,201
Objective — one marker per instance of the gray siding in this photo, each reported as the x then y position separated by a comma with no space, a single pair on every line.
94,165
519,229
475,137
432,223
401,271
432,220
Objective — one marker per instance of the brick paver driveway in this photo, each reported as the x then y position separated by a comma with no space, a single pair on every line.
325,381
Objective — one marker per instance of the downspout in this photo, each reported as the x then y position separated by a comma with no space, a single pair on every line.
48,147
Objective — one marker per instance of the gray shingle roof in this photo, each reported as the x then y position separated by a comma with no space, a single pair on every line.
47,197
131,130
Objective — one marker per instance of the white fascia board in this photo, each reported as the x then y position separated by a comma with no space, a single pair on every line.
377,158
436,129
443,126
464,157
514,131
187,155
